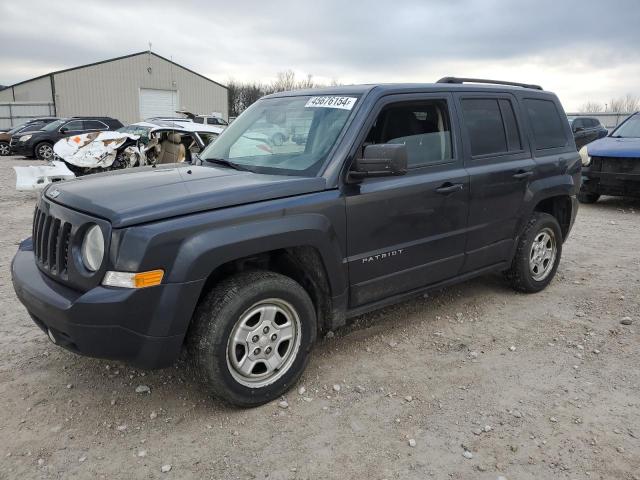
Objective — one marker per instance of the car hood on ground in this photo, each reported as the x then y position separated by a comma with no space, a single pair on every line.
132,196
615,147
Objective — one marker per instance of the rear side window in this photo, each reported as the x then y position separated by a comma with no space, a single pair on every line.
75,125
94,125
548,129
491,125
511,125
198,120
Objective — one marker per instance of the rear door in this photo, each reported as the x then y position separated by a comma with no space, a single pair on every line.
500,167
409,231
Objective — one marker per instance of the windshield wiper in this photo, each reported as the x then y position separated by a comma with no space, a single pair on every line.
225,163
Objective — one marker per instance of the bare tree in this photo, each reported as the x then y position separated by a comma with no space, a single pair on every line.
242,95
284,81
592,107
626,104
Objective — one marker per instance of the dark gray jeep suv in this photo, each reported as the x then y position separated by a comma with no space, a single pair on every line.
243,258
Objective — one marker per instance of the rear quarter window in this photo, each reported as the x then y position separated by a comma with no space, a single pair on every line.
546,124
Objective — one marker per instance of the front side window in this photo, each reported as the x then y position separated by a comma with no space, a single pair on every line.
548,129
424,127
53,126
285,135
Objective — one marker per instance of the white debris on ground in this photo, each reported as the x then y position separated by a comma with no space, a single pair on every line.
36,177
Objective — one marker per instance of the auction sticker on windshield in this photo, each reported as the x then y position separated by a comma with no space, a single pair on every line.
345,103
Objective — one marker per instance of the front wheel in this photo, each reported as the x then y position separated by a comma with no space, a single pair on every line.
251,336
44,151
4,149
537,255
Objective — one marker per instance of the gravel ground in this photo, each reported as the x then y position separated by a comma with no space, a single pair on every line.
473,382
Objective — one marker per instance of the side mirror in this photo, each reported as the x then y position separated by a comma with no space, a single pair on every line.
384,160
578,129
64,130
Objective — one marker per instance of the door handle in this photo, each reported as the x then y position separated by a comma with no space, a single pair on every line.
523,174
448,188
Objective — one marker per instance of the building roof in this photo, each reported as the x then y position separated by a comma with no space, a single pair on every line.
145,52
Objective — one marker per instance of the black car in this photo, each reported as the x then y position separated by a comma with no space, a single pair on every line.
33,124
245,257
39,143
586,130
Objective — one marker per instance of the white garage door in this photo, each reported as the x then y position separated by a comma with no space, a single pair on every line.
158,103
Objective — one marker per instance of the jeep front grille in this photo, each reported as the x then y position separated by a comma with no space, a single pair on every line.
51,238
616,164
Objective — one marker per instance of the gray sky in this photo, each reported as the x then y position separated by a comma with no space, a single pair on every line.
583,50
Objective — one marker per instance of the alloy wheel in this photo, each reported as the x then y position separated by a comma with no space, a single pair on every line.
264,343
543,254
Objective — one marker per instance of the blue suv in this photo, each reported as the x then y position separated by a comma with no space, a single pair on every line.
611,165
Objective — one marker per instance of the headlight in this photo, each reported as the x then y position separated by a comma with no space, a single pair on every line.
93,248
24,138
584,155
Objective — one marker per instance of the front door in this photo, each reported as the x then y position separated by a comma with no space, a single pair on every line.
409,231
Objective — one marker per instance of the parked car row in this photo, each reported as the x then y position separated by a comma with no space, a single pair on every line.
37,137
38,142
33,124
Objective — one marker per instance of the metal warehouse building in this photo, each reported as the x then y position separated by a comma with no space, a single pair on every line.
129,88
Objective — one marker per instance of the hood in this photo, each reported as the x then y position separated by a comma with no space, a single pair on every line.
615,147
26,132
130,196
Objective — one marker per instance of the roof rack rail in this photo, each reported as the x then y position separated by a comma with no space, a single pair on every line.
483,80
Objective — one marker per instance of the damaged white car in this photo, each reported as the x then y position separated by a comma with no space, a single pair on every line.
136,145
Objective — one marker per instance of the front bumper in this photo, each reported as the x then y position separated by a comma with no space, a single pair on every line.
610,183
143,327
21,148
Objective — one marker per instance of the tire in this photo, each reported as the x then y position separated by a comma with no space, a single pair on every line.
5,149
221,341
584,197
529,271
44,151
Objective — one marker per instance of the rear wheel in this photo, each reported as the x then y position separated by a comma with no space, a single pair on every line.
584,197
44,151
4,149
251,336
537,255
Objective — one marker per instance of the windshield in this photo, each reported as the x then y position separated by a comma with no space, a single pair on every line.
286,135
139,130
54,125
629,129
17,128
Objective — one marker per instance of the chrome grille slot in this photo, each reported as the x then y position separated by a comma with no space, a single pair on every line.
51,238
